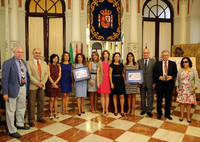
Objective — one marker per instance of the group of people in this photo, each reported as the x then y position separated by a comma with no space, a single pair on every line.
31,78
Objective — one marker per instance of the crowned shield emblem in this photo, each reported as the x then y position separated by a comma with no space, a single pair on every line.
105,19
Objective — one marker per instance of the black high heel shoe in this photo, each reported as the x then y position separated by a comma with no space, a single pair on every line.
189,121
122,114
180,119
79,114
115,114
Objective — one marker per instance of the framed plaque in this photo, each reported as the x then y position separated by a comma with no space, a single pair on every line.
134,76
81,74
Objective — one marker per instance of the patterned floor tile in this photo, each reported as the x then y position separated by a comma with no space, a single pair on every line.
193,131
109,132
73,121
90,126
103,119
143,129
56,128
189,138
121,124
174,127
95,138
35,136
73,135
169,136
130,137
151,122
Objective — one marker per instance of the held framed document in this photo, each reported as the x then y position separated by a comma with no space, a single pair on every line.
81,74
134,76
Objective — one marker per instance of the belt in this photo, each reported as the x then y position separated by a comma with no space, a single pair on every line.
22,85
93,73
117,75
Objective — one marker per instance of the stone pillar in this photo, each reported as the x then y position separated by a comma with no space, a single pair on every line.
183,25
133,41
7,30
14,24
76,27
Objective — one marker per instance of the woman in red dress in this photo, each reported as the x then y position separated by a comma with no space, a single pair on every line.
53,89
103,81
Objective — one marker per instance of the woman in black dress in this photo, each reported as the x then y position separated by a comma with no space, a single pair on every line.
117,82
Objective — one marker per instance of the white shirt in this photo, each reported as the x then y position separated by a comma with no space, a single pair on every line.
163,63
147,61
36,61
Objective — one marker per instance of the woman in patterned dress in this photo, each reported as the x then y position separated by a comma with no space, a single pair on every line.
131,88
185,88
65,81
92,83
103,81
80,86
53,89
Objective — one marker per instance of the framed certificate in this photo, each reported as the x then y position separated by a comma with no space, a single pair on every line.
81,74
134,76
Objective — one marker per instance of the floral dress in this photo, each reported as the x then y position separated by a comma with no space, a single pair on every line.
184,94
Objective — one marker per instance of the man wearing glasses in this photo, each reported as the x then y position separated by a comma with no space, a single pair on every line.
164,72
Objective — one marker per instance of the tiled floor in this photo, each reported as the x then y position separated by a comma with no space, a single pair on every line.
93,127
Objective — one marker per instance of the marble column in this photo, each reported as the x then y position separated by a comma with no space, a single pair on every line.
7,30
183,25
14,24
133,41
76,27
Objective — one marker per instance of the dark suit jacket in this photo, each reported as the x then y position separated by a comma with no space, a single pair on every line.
158,71
148,73
10,78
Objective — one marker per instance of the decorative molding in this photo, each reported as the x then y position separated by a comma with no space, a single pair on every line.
133,47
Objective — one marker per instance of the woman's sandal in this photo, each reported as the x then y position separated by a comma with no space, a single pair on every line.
51,116
56,115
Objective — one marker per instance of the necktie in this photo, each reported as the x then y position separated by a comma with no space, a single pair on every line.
145,64
22,74
39,68
166,67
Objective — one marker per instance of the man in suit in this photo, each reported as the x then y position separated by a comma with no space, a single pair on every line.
147,65
164,72
38,75
15,87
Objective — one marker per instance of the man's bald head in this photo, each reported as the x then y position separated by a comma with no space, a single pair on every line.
145,53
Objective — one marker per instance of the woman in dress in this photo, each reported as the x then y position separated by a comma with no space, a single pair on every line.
53,89
80,86
92,83
103,81
117,82
131,89
185,88
66,80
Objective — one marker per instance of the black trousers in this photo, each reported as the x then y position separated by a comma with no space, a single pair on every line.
168,93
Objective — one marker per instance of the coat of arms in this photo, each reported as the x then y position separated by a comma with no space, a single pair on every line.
105,19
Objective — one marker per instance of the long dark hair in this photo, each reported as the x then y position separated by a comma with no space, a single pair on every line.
84,62
127,61
62,59
113,60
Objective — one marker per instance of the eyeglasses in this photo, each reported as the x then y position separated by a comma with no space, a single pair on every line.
185,62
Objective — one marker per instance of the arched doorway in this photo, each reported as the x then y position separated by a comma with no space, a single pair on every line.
157,26
97,47
45,27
